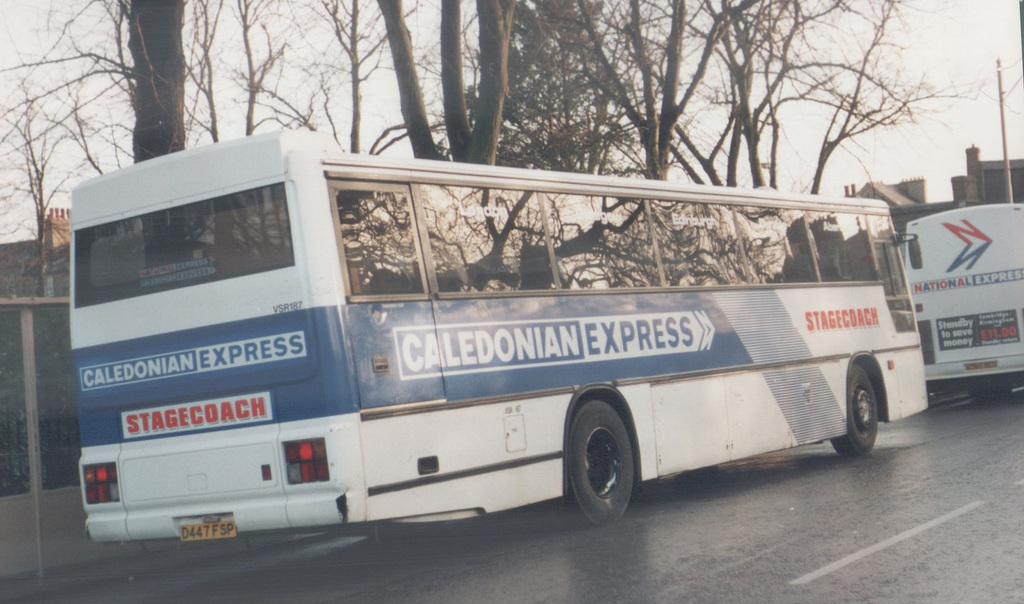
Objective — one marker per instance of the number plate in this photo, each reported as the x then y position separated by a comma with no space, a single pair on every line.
982,365
208,530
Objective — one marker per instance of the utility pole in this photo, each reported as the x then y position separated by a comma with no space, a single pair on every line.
1002,123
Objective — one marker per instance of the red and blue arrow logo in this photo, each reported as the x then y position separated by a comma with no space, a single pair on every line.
977,242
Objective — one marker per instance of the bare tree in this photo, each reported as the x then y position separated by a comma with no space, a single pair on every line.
783,74
85,69
358,32
471,138
869,90
37,143
257,36
205,22
640,46
554,117
762,51
713,86
158,57
410,92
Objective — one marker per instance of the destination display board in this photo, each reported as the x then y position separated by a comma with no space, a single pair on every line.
984,329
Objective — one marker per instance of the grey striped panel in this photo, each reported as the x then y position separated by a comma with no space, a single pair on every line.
766,330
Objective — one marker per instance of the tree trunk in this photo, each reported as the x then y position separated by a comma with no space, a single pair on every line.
354,144
456,111
413,108
159,70
477,143
495,30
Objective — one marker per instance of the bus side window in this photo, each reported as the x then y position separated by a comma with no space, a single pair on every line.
843,246
378,244
484,239
602,242
897,294
698,243
777,245
798,266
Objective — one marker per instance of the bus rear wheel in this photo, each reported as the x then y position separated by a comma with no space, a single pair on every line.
861,416
600,463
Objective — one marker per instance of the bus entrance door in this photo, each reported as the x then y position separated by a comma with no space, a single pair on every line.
388,318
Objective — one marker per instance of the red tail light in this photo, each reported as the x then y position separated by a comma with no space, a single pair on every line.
307,461
100,483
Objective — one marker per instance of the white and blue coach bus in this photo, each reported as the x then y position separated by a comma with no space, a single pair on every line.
966,273
269,334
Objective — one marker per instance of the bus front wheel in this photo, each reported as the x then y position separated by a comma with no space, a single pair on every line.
861,416
600,463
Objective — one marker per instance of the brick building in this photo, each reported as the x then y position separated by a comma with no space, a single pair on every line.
20,261
984,183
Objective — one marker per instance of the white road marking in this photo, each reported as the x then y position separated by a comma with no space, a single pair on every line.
864,553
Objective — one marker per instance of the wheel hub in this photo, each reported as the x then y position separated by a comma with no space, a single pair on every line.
862,409
604,462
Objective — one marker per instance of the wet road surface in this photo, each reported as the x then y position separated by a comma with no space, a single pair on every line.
932,515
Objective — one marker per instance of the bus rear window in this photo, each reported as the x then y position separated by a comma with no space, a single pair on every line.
230,236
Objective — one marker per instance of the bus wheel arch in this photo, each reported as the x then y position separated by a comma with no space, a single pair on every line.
601,463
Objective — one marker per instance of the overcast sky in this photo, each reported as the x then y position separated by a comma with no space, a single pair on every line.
960,43
957,43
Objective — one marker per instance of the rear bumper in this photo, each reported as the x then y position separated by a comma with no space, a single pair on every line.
326,506
236,474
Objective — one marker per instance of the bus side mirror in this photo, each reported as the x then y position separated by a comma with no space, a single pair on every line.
913,243
916,261
914,251
901,239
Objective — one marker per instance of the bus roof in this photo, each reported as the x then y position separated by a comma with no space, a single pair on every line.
191,174
965,211
214,169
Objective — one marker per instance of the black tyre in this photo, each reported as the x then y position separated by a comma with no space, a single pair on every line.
861,416
600,463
